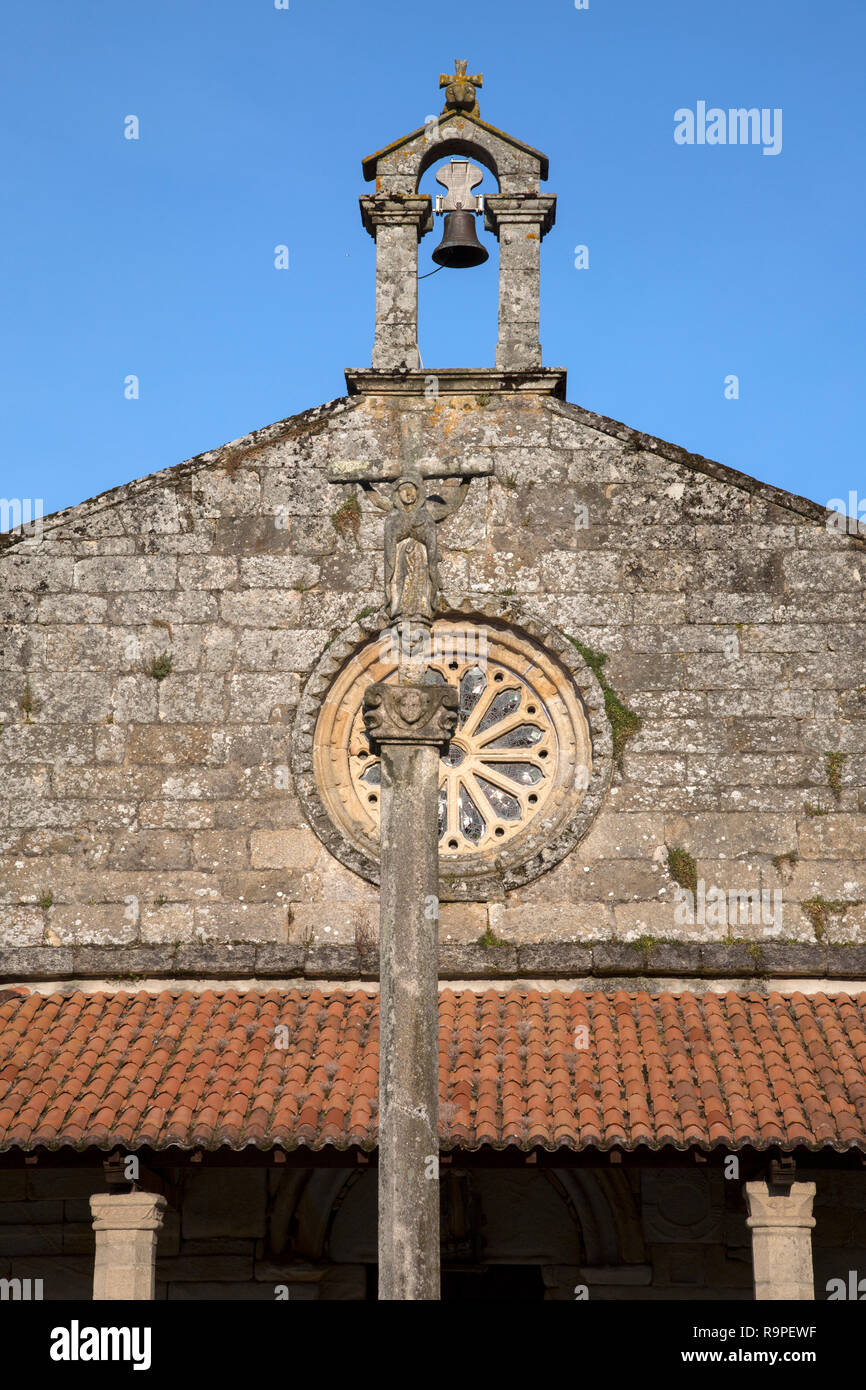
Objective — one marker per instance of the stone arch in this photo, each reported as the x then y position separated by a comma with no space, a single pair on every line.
572,1218
398,168
469,149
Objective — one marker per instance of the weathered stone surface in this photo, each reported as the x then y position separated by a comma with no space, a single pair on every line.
126,1226
715,600
781,1228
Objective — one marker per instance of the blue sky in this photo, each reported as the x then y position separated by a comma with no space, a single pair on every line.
155,257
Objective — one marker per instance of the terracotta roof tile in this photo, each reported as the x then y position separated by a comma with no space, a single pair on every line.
290,1068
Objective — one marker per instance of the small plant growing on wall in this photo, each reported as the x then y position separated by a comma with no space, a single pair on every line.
161,666
835,763
347,519
28,705
682,867
623,721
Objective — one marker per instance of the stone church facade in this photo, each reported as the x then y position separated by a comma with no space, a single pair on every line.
652,915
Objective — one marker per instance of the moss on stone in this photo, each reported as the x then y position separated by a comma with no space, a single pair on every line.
790,857
645,944
161,666
819,911
682,867
27,704
488,938
346,520
835,763
623,721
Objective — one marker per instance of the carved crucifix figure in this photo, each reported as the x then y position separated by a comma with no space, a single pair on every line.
411,548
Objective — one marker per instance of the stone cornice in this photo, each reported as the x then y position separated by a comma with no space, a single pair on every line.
456,381
608,965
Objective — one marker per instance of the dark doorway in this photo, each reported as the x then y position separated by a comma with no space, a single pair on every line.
495,1284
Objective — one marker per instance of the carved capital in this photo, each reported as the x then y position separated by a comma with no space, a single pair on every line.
534,209
416,714
127,1211
397,210
788,1210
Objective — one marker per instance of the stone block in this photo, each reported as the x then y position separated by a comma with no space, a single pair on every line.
224,1202
242,922
220,961
178,745
554,958
29,1239
150,849
283,849
125,573
21,926
279,960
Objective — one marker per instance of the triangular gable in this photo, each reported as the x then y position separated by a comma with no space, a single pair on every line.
370,164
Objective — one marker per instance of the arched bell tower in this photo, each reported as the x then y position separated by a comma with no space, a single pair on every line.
397,216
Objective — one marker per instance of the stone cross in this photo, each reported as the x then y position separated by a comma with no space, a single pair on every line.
410,725
460,89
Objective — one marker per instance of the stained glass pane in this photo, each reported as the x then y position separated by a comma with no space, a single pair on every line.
503,803
471,819
454,756
442,810
506,703
527,774
434,677
472,685
372,774
524,736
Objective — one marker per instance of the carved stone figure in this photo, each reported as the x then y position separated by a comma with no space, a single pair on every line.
411,550
460,89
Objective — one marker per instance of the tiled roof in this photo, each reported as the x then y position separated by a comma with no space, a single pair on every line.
290,1068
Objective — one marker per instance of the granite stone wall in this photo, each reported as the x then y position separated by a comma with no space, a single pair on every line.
156,640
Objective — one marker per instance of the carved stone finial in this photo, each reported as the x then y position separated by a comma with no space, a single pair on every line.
460,90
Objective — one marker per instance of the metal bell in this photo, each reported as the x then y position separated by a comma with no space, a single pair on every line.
459,247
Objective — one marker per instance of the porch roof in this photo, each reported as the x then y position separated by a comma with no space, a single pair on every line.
554,1070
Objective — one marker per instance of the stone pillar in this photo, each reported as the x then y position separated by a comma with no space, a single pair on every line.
781,1229
126,1224
520,221
410,724
396,223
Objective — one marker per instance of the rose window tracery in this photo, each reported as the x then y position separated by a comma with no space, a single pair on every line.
518,766
499,767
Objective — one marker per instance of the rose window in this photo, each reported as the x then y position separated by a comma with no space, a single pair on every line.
517,766
498,768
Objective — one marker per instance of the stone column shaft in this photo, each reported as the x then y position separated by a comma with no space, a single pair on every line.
410,725
520,221
781,1229
397,225
126,1226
